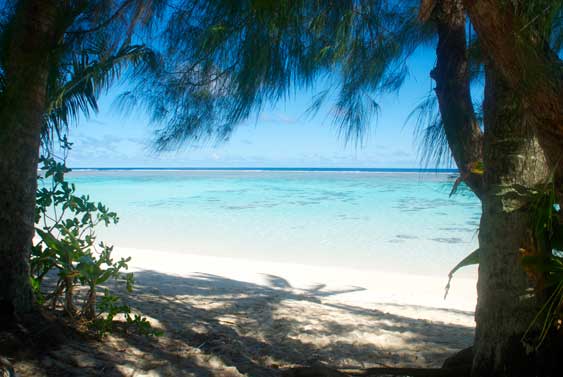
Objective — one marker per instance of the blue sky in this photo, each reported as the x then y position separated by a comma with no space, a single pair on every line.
282,135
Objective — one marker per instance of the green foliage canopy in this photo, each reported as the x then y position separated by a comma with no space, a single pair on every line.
242,54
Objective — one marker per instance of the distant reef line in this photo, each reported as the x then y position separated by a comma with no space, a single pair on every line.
274,169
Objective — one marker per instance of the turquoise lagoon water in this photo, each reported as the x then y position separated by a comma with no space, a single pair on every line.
392,221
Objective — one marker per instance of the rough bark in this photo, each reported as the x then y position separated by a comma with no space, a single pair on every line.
521,147
514,162
21,112
528,66
453,90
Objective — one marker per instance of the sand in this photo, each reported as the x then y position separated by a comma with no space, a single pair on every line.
235,317
276,314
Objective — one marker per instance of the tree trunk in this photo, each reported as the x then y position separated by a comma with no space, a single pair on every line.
89,309
514,162
528,65
22,106
452,90
69,297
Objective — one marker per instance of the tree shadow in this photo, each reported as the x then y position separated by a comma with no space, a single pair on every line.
257,328
277,281
216,326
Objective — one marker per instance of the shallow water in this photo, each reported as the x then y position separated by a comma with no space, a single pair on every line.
386,221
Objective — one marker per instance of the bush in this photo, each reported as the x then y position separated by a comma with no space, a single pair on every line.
66,244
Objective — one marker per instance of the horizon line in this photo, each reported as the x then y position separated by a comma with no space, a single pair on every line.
284,168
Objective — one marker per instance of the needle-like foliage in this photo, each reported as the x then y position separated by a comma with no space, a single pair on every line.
242,54
201,67
429,132
225,59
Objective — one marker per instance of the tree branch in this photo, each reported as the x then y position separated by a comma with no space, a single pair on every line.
453,91
105,23
525,61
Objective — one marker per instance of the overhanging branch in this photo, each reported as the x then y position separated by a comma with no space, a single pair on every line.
118,13
528,65
453,91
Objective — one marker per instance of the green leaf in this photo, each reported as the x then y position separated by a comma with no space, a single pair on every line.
49,239
472,258
68,241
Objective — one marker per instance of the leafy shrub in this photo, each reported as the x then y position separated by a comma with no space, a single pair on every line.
109,304
66,244
545,264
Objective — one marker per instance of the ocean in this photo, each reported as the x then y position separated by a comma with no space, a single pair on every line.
396,220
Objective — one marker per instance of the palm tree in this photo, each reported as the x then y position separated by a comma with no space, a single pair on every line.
74,89
245,53
56,58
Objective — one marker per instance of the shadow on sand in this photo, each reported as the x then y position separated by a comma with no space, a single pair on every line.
215,326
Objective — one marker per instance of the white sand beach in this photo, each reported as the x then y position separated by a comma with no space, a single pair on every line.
250,315
232,317
352,286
